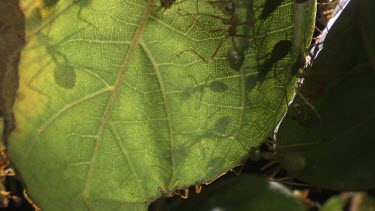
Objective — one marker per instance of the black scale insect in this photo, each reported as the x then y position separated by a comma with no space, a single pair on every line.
166,4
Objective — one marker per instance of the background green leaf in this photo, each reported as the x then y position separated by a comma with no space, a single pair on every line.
110,112
333,147
245,192
350,200
335,203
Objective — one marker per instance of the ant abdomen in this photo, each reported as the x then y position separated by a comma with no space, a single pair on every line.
235,58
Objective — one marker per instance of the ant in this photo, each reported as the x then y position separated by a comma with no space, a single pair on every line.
235,55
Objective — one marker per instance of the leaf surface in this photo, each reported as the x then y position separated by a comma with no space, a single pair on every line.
115,109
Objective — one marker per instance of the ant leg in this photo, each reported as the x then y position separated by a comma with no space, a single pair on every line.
314,50
217,17
185,195
320,31
282,180
196,53
327,3
214,179
270,144
7,172
309,105
275,172
198,188
209,60
237,173
200,24
268,165
30,201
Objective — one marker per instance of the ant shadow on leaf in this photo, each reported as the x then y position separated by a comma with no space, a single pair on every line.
279,51
213,86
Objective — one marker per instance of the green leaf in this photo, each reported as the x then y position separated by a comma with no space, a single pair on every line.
356,201
336,203
114,108
245,192
332,147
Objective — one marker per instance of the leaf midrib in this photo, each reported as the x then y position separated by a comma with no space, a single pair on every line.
117,85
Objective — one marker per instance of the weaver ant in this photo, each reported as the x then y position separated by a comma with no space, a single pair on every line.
235,55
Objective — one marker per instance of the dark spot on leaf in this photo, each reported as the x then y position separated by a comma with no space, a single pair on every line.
269,7
218,86
50,3
221,125
166,4
65,76
83,3
185,95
